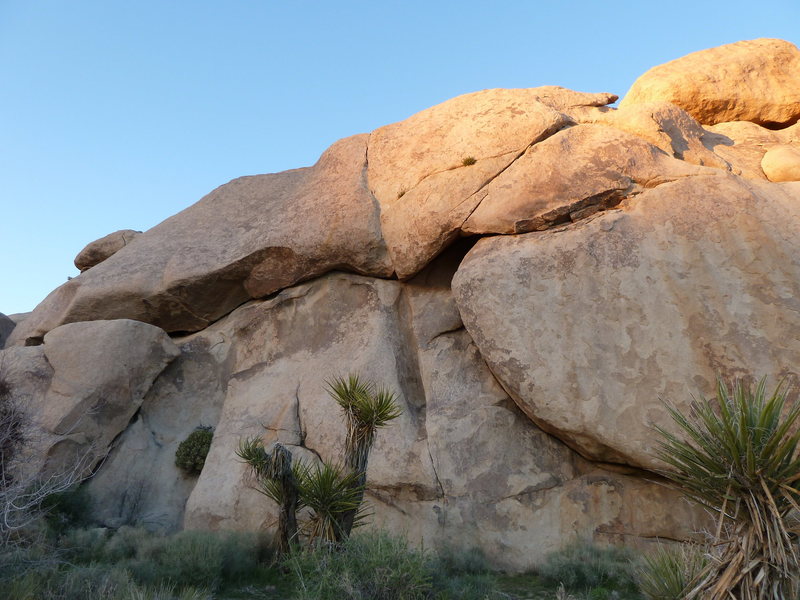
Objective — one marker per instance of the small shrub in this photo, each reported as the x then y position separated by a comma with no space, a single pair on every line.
67,509
89,582
375,566
468,161
189,558
379,566
401,193
192,452
585,566
85,545
668,572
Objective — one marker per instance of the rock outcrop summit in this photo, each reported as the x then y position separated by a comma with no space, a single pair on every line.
533,270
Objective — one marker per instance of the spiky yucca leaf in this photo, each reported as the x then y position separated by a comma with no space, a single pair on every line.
669,572
277,478
251,451
329,491
365,409
739,458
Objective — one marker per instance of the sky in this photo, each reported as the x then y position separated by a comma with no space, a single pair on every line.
116,115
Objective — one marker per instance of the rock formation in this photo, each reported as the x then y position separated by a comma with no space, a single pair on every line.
97,251
533,271
755,80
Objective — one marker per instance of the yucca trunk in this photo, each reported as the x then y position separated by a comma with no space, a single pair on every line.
287,514
357,446
750,568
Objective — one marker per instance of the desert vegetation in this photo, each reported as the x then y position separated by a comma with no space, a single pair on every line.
333,493
735,454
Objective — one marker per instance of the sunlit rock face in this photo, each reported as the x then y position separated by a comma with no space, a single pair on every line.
533,271
754,80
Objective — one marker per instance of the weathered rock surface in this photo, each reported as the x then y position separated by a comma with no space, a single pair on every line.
97,251
782,163
589,326
541,189
84,384
139,483
667,127
743,145
462,466
246,239
754,80
640,255
6,325
417,167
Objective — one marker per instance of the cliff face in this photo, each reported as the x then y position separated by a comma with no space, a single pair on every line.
532,270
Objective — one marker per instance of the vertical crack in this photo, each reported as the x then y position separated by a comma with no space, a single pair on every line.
443,515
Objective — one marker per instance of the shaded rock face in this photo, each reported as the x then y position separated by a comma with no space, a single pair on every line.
755,80
462,466
83,385
6,325
532,271
99,250
139,483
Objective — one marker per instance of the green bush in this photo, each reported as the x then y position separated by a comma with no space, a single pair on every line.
67,510
189,558
378,566
192,452
586,566
468,161
194,558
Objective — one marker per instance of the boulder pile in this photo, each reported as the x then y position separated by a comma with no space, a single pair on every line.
534,271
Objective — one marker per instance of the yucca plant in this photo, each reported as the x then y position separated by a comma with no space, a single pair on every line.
277,479
330,491
333,494
366,409
669,572
738,457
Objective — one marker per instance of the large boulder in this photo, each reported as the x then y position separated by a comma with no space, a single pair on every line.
83,385
743,145
667,127
97,251
425,171
246,239
755,80
591,326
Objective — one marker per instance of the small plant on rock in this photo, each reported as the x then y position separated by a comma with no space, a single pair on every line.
468,161
192,452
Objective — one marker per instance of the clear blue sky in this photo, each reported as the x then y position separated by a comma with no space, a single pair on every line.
117,114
